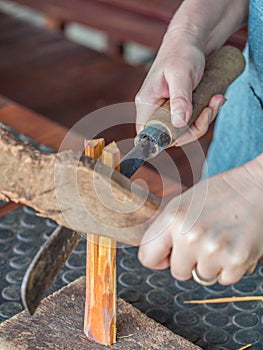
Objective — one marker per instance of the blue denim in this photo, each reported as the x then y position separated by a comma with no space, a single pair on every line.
238,135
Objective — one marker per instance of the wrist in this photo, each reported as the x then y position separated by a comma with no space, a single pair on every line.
258,168
182,31
207,22
247,180
254,169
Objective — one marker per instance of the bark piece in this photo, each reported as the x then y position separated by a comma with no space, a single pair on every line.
58,325
77,193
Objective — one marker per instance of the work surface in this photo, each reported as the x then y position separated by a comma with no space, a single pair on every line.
58,323
212,326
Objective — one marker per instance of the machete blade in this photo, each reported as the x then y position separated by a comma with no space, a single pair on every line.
46,265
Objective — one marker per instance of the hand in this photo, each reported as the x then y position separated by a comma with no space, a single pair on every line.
215,226
176,72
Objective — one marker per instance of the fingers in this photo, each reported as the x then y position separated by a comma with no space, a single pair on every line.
161,249
182,263
197,129
200,126
155,248
145,110
173,76
152,94
230,276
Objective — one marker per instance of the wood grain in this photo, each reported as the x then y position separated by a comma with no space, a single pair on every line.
58,324
81,197
100,306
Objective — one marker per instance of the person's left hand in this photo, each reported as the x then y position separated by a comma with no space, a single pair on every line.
215,227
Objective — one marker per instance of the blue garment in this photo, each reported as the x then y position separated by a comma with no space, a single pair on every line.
238,135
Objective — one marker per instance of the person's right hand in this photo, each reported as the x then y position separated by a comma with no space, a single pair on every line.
175,73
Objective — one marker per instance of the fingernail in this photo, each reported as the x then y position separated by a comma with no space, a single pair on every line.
179,118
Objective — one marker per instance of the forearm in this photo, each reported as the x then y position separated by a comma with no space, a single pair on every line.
208,22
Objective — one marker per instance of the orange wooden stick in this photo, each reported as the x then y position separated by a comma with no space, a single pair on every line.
100,308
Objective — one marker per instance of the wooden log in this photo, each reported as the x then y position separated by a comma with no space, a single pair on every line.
74,201
58,324
100,307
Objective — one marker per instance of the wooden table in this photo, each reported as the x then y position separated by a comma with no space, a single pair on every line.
58,78
51,134
141,21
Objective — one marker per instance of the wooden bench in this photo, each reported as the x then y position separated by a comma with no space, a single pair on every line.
42,70
140,21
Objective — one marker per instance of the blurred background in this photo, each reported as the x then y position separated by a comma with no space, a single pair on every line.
66,58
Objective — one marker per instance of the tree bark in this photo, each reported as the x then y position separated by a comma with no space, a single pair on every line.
75,191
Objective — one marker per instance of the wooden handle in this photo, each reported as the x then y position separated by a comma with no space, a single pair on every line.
220,71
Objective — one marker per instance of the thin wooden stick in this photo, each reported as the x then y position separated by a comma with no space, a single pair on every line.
245,347
224,300
100,309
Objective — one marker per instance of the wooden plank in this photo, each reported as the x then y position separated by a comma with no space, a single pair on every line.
58,324
7,208
61,79
35,126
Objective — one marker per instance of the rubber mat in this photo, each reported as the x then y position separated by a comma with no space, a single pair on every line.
156,293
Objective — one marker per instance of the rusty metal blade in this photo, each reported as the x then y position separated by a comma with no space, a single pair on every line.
46,265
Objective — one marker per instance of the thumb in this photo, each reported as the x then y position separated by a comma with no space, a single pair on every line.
180,91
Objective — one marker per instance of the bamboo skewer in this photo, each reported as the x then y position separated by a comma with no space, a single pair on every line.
100,308
224,300
245,347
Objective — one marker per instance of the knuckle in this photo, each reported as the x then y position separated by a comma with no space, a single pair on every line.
173,221
181,98
200,131
239,260
145,259
228,278
138,97
177,275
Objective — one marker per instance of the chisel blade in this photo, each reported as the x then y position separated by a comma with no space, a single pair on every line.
133,160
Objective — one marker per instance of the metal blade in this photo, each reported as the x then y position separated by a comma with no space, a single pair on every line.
46,265
132,161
